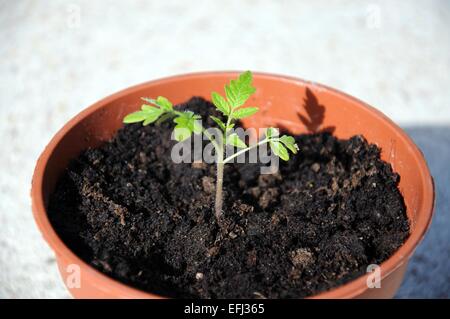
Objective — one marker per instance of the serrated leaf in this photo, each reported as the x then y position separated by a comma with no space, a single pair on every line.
185,117
220,103
190,121
289,142
150,119
287,139
151,109
238,91
181,133
164,103
152,114
145,107
272,132
279,150
234,140
165,117
218,121
181,120
149,100
160,101
189,114
244,112
135,117
195,126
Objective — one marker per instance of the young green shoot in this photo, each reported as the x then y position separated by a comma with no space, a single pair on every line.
237,92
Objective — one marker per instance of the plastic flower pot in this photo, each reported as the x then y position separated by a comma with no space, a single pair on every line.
280,99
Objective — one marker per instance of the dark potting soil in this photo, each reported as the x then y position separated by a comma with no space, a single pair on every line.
132,213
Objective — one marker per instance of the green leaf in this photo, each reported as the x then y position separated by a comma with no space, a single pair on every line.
195,126
287,139
189,120
181,120
150,119
135,117
165,117
244,112
234,140
190,114
160,101
218,121
148,114
148,100
238,91
289,142
185,117
151,109
164,103
181,133
272,132
152,114
220,103
279,150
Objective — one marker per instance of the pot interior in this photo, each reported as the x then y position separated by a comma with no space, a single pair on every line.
295,105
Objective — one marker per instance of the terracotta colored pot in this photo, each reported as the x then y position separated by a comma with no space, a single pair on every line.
282,102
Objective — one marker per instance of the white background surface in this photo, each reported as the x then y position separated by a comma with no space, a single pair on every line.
58,57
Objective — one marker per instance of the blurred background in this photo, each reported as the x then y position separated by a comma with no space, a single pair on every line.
58,57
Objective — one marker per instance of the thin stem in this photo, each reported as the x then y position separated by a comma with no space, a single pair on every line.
218,204
219,178
220,163
229,158
212,140
219,185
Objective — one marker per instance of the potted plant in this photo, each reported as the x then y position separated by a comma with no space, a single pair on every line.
130,223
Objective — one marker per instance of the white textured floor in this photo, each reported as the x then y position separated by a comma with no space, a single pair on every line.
57,57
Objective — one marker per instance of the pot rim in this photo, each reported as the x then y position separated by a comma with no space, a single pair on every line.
347,290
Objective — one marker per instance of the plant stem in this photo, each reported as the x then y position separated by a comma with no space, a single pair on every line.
219,185
229,158
220,163
219,172
212,140
219,175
